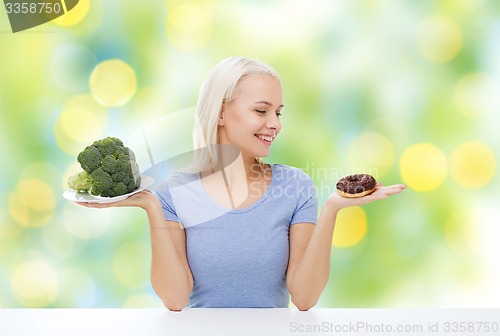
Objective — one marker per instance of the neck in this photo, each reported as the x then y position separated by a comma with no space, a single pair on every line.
237,176
234,168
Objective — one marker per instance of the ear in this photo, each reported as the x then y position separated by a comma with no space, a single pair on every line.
220,122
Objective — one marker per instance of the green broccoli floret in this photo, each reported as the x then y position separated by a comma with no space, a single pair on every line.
80,182
90,158
102,183
109,168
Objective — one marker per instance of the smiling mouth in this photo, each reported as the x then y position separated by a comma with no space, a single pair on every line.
267,138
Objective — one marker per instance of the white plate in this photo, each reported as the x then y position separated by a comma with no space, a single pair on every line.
75,196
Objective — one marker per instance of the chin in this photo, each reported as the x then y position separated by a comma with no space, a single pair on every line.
261,155
258,154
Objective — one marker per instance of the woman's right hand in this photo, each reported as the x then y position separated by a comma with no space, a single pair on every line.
142,199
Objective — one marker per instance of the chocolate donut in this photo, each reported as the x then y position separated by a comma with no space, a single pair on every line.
357,185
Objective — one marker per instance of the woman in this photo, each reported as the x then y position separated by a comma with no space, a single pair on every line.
230,230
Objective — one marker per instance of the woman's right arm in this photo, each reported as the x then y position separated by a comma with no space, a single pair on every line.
171,276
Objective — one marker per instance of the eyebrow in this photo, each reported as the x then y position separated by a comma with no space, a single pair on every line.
267,103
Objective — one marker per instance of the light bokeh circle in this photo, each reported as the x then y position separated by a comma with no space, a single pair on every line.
476,96
85,223
188,27
439,39
472,164
59,242
81,122
113,83
75,15
18,209
37,194
350,227
32,203
35,283
77,288
74,114
423,167
10,229
371,151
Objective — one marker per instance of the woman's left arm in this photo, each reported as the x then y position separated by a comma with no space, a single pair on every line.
310,247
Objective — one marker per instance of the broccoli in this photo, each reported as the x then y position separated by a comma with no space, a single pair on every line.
109,169
80,182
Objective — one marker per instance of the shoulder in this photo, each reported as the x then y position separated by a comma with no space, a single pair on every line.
298,186
174,181
180,178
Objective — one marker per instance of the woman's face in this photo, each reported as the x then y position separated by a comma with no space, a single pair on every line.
251,120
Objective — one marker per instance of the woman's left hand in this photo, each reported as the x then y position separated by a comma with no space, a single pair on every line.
381,192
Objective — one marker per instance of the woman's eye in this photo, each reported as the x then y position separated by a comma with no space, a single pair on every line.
264,112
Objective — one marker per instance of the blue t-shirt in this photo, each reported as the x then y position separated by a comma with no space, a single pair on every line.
239,257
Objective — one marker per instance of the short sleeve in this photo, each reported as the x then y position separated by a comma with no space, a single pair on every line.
307,203
167,204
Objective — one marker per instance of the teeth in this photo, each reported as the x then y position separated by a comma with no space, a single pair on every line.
267,138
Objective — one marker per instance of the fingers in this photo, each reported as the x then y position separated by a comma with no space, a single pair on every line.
379,185
385,191
392,187
393,191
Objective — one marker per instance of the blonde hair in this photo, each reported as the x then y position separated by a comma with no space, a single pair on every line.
219,88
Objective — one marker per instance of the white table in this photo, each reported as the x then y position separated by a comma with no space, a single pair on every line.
275,322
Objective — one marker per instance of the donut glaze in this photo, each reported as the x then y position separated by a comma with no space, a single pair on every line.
357,185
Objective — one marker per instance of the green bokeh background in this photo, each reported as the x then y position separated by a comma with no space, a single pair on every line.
370,77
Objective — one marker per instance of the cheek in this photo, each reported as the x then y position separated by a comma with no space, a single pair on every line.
244,122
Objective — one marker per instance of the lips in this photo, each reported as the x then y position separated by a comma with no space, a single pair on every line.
265,138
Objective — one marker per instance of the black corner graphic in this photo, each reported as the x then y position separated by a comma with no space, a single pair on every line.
70,4
25,14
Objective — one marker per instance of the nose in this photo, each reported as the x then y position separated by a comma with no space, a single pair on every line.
274,123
